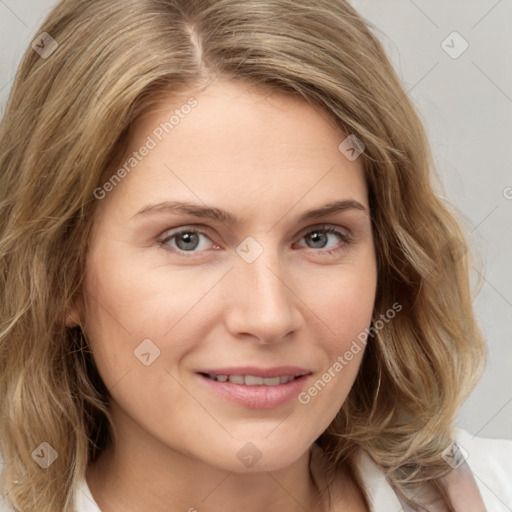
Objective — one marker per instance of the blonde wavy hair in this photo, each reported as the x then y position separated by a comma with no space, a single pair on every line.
66,126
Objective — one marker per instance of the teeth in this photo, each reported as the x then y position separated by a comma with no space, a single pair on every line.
251,380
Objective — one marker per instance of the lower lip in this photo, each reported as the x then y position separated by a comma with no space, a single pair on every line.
257,397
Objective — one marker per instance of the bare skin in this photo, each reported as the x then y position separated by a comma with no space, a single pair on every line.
267,159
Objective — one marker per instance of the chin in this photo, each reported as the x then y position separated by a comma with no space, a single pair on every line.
260,454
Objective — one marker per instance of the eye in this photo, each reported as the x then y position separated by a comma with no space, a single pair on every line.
319,238
189,240
186,240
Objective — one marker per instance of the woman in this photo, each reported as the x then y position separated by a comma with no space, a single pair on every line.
228,282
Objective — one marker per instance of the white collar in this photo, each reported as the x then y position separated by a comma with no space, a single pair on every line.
83,500
379,492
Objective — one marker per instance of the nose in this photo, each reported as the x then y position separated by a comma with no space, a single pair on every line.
261,302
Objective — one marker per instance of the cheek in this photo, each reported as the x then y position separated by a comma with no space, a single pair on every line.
140,317
344,303
343,300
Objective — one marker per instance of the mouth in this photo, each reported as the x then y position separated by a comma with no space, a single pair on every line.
256,388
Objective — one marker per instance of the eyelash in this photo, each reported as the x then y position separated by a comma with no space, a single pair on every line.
343,235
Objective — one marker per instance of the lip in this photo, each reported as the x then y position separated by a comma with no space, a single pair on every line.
257,397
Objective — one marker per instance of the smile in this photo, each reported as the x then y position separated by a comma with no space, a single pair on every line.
256,388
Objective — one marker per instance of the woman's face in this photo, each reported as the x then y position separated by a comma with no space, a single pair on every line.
188,307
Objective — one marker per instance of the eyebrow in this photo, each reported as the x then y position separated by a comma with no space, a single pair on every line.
209,212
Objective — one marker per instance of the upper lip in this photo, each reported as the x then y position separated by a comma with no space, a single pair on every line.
276,371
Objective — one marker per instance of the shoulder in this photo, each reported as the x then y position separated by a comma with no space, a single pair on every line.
490,461
5,505
82,498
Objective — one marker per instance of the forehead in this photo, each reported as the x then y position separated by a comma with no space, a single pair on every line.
235,143
243,116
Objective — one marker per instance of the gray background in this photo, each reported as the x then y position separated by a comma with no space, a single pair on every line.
466,105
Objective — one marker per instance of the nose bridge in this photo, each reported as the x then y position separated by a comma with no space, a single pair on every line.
263,304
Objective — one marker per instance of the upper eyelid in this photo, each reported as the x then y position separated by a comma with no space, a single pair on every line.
324,226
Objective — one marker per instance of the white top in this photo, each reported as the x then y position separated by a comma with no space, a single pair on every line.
490,461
